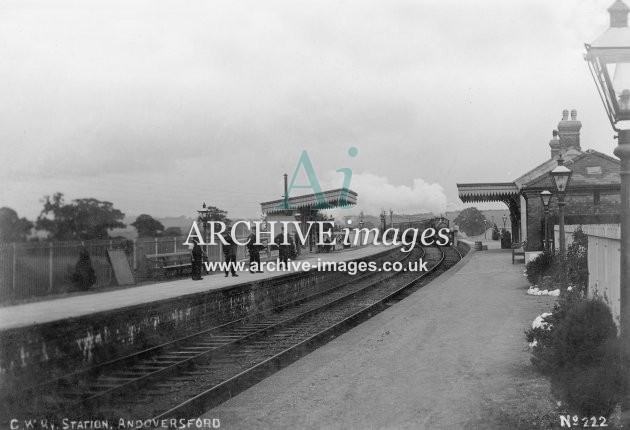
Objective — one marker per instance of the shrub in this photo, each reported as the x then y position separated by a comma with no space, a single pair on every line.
84,276
495,233
554,272
555,275
577,263
581,333
542,354
567,299
593,390
579,349
538,267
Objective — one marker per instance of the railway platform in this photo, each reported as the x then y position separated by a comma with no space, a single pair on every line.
59,336
47,311
451,355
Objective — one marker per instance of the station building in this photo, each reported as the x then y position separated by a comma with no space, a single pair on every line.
593,195
307,208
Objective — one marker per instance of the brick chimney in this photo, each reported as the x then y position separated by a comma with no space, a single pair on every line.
554,144
569,131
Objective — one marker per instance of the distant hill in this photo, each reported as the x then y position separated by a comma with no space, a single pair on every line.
183,222
130,232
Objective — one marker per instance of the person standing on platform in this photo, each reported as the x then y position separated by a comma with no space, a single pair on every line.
197,258
298,245
254,252
229,252
84,276
283,250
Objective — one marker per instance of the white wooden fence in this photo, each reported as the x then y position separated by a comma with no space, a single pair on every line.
604,253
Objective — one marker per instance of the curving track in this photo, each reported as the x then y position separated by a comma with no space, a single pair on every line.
185,377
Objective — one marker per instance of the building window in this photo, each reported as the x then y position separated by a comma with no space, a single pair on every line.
594,170
596,198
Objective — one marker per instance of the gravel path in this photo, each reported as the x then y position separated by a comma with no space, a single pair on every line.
452,355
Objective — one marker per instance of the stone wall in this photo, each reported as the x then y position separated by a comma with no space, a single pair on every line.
41,352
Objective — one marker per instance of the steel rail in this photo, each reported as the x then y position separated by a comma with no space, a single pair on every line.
151,373
228,388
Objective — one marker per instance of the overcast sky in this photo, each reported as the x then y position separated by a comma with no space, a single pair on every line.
158,106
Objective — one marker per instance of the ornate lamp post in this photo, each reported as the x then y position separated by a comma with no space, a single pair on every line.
204,217
608,58
361,231
561,175
504,220
545,196
383,227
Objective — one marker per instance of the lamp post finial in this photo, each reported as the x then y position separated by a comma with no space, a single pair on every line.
618,14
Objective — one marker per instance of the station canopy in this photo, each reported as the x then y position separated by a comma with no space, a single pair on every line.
329,199
488,192
508,192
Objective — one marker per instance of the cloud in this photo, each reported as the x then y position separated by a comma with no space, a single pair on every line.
182,103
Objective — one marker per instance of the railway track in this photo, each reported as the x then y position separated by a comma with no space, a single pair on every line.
185,377
311,334
81,389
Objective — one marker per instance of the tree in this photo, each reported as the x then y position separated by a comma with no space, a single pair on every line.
172,231
213,214
82,219
12,227
471,221
147,226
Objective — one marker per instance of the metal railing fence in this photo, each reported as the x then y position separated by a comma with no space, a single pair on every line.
46,268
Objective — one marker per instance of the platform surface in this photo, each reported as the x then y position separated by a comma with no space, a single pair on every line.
452,355
67,307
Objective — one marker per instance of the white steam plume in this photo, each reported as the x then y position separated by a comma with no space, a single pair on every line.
376,193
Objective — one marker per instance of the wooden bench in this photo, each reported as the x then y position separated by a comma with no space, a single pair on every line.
329,246
518,250
167,264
